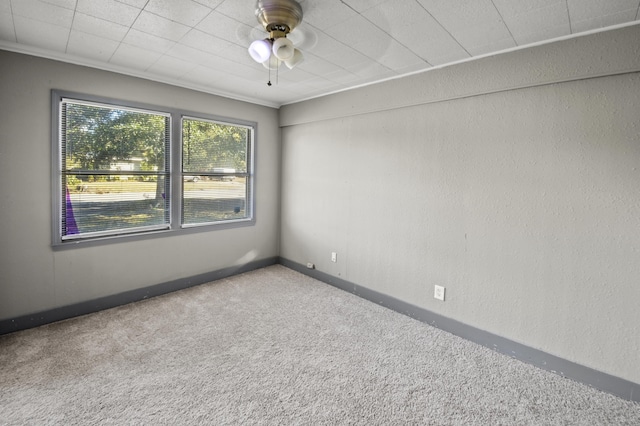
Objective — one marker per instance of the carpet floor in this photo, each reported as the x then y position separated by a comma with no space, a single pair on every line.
276,347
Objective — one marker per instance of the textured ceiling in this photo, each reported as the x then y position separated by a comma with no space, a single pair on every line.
202,44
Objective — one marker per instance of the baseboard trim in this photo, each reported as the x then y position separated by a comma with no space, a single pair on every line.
65,312
597,379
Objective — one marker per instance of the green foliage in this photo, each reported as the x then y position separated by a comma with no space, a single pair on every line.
208,145
73,181
98,136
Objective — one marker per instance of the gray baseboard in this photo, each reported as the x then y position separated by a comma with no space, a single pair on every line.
65,312
594,378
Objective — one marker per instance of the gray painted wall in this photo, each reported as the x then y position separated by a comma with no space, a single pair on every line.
513,181
33,277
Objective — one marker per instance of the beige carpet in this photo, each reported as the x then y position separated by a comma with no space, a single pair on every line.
276,347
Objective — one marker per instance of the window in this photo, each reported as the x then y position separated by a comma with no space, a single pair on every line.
117,166
215,161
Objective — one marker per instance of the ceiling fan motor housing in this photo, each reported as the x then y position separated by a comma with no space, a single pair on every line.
278,17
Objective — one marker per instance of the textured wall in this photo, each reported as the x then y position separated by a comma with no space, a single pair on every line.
33,277
524,203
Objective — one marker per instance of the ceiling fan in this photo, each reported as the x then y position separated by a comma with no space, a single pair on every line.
278,18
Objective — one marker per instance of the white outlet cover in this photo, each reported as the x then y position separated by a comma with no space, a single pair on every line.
438,292
334,256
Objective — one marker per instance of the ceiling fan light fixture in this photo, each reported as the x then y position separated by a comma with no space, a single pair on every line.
260,50
273,63
278,18
295,59
283,48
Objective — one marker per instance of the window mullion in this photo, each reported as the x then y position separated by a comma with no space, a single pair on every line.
176,170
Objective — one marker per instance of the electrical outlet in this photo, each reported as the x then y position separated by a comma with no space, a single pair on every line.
311,265
334,257
438,292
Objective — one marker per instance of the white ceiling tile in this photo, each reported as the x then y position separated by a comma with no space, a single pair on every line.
416,29
372,73
205,42
476,39
298,74
361,35
594,14
530,24
603,21
548,33
5,7
134,57
249,70
91,46
40,34
583,10
67,4
240,55
224,64
224,27
99,27
327,13
363,5
369,69
253,87
241,11
460,13
186,53
475,24
109,10
171,67
509,8
213,4
320,84
148,41
397,57
319,66
42,12
491,46
135,3
160,27
7,30
186,12
341,77
337,52
202,75
365,37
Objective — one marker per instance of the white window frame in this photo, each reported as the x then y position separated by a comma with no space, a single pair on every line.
175,226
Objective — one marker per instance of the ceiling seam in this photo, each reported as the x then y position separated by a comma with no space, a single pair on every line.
445,30
351,48
73,19
505,23
13,22
361,53
392,37
566,3
178,42
128,30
